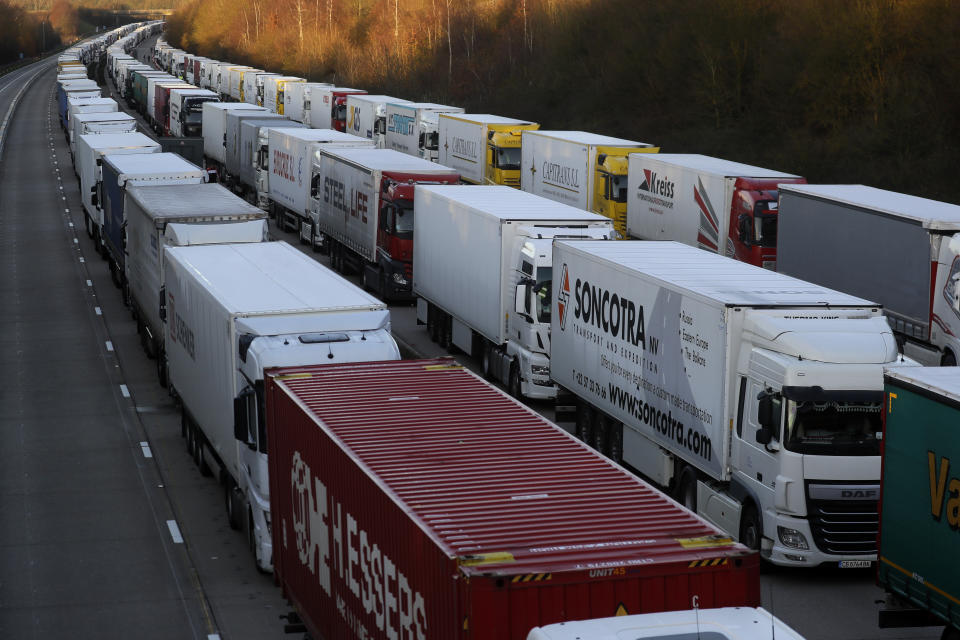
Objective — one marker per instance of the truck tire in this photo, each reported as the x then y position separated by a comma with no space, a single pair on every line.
234,503
486,363
751,530
950,633
513,385
584,422
948,360
444,330
382,285
687,489
431,322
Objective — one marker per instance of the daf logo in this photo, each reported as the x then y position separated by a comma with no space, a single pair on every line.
858,494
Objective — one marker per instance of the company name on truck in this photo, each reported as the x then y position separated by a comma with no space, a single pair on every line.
334,547
400,124
180,331
613,313
944,491
656,189
283,166
560,175
464,148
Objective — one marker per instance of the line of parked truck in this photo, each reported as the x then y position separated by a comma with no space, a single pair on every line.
755,397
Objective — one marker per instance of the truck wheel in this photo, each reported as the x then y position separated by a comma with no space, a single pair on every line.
950,633
687,489
443,330
382,286
614,441
948,360
513,386
88,223
234,503
431,322
487,362
750,528
584,422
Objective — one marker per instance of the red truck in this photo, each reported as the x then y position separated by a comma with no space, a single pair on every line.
411,499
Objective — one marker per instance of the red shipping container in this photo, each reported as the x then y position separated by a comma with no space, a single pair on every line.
413,500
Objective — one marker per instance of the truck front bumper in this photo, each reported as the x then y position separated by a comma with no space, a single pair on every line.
785,549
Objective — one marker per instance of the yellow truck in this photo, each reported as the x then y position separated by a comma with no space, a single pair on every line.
581,169
483,148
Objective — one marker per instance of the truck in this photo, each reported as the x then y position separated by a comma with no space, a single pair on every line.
328,107
297,98
273,91
753,396
120,171
143,90
236,81
917,289
584,170
239,152
253,86
483,276
91,148
464,514
233,312
89,105
158,112
174,216
717,205
290,154
919,497
74,89
484,148
725,623
186,111
254,178
412,127
99,122
367,116
361,200
214,129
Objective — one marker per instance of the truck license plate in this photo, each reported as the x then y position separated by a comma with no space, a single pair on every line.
855,564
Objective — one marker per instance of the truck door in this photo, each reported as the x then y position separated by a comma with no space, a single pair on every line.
756,465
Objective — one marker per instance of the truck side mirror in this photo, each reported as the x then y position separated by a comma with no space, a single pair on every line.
241,417
765,418
522,295
743,227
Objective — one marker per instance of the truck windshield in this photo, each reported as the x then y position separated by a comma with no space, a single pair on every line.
542,293
507,159
765,223
404,223
833,428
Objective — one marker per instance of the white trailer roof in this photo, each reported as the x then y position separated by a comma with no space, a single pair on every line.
717,166
422,105
103,116
931,214
233,106
941,380
87,100
118,140
132,166
320,135
507,203
367,97
386,160
585,137
484,118
714,277
191,200
258,278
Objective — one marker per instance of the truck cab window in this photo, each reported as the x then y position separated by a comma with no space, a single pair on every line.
404,219
542,293
950,286
507,159
315,186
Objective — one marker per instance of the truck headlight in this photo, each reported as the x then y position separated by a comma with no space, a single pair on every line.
792,538
540,370
399,279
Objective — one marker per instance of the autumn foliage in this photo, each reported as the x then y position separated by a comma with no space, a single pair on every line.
23,33
853,91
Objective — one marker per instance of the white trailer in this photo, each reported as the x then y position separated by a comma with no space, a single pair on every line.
900,250
237,156
579,168
214,128
362,203
717,205
484,148
99,122
754,396
273,91
90,148
367,116
234,311
235,81
483,275
291,153
172,216
90,105
328,107
412,128
297,98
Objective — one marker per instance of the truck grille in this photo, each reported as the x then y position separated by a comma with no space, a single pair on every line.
844,527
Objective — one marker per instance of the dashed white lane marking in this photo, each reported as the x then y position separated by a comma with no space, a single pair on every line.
125,391
213,636
81,259
75,241
174,531
145,447
98,310
89,283
109,346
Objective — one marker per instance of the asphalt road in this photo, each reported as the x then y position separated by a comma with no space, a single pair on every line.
84,536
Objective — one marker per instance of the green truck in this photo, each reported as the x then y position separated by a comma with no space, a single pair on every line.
919,559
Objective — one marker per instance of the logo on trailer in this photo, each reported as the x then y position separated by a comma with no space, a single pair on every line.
654,183
563,297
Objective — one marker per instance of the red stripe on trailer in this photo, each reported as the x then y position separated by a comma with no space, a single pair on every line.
412,499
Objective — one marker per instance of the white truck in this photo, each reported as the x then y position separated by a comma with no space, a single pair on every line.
99,122
234,311
235,81
253,86
328,107
91,148
273,91
582,169
214,129
900,250
289,161
297,99
361,200
367,116
90,105
412,128
173,216
484,148
254,141
483,274
239,152
714,204
186,111
754,396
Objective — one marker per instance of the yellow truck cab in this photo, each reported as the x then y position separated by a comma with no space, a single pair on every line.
483,148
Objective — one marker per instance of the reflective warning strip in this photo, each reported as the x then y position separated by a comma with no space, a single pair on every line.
443,367
497,557
705,541
532,577
712,562
294,376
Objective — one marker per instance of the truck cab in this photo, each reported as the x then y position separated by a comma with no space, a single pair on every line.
610,184
186,111
753,221
503,155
